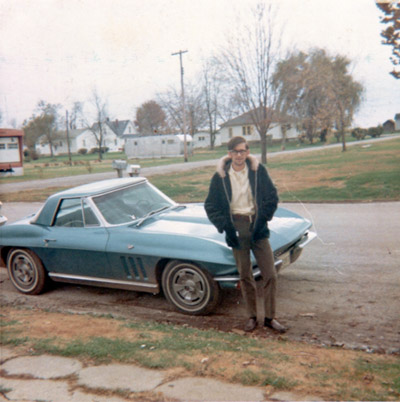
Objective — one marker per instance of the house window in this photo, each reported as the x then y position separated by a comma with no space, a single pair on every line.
2,146
230,132
171,141
12,146
246,130
115,142
84,143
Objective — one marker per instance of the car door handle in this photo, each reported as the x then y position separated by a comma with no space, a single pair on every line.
47,241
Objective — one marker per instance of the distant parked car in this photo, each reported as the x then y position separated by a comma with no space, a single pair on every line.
124,233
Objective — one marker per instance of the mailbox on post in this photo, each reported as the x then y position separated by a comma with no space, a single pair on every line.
133,170
119,165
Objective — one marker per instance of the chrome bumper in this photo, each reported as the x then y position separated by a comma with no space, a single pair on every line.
285,259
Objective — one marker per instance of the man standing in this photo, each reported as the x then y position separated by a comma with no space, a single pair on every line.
240,202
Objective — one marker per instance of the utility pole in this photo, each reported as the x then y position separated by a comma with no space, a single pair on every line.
183,104
69,147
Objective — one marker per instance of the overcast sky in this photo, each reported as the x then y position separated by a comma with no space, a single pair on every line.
60,50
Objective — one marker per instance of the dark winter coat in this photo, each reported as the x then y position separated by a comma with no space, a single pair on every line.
217,203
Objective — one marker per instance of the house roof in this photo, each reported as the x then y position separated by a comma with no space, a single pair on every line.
243,119
76,132
118,126
246,119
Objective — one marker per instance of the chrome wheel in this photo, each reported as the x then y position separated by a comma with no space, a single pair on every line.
26,271
189,288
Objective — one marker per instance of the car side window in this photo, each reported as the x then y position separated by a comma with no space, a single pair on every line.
75,213
90,218
69,213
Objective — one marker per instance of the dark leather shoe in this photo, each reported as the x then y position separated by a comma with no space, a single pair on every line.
250,325
276,326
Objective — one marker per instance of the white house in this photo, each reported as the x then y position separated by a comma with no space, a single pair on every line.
113,138
202,139
243,126
60,145
11,156
156,146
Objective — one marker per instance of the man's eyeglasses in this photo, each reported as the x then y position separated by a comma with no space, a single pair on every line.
240,152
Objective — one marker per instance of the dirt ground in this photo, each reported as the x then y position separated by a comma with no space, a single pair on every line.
344,290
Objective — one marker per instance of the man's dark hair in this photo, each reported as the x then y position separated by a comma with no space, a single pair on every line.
235,141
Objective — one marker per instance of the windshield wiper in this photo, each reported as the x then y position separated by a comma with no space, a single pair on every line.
151,213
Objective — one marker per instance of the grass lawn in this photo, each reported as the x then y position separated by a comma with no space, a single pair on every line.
59,166
362,173
273,363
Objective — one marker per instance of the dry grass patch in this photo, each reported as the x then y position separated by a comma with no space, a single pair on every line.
250,360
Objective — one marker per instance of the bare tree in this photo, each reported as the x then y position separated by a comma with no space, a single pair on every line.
171,102
391,34
213,97
100,114
249,61
75,115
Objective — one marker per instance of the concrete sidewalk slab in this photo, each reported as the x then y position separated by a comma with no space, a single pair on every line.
120,376
49,391
206,389
45,367
36,390
6,354
77,384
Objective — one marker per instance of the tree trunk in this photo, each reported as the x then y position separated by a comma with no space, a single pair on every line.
343,141
283,131
100,152
263,142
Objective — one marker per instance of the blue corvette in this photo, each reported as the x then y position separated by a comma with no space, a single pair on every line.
124,233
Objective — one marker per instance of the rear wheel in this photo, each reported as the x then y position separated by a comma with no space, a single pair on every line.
26,271
189,288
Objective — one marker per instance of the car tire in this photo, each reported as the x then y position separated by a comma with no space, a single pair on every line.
26,271
189,288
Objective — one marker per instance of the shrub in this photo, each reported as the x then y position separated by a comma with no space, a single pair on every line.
96,150
31,154
375,131
82,151
359,133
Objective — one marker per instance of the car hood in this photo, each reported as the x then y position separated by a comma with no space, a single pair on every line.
191,220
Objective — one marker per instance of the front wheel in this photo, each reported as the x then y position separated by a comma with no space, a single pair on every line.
189,288
26,271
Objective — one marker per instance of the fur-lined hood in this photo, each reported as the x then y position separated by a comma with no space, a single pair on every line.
225,161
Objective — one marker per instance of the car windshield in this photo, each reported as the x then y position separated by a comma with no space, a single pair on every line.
132,203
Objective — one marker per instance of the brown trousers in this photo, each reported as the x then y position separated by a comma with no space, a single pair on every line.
265,261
